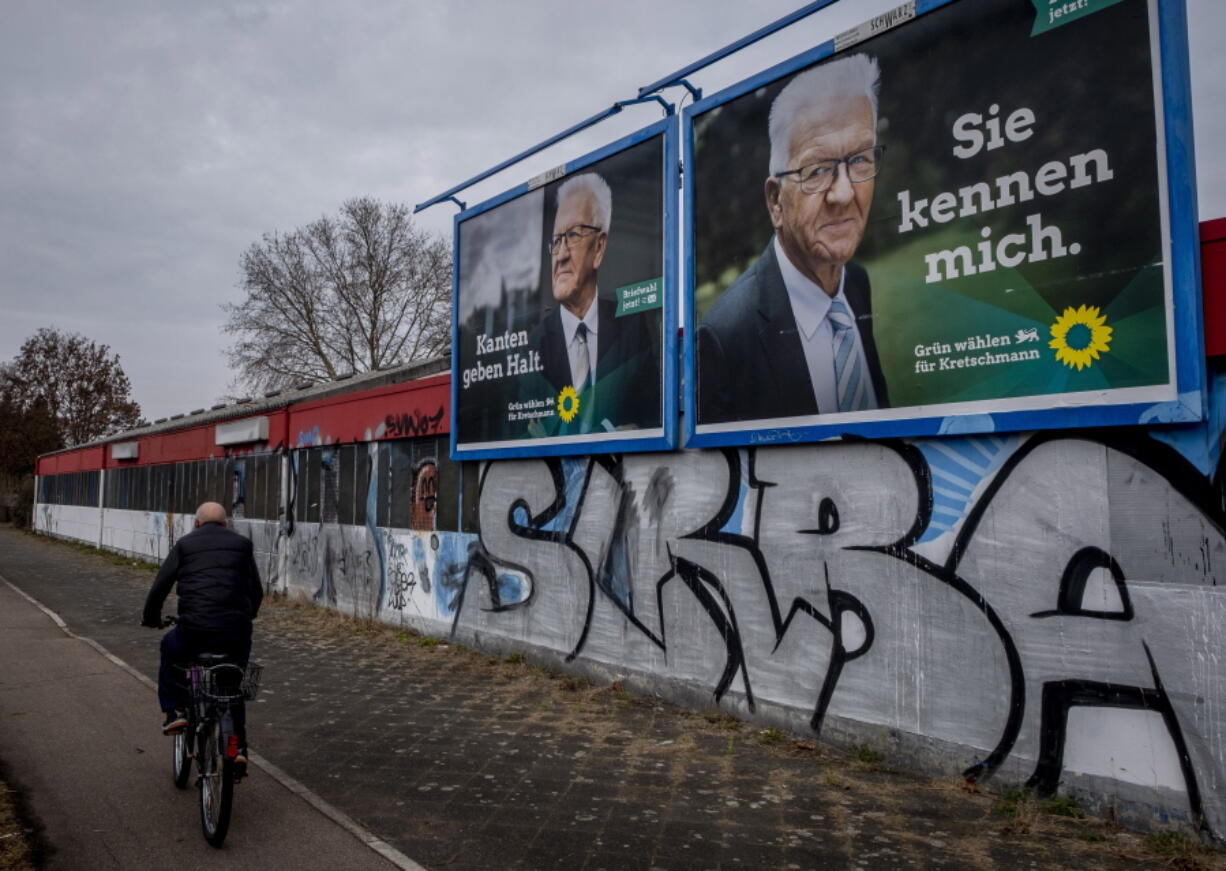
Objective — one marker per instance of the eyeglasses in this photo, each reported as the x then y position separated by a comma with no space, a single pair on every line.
817,177
571,237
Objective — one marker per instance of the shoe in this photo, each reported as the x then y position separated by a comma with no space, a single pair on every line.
176,722
240,765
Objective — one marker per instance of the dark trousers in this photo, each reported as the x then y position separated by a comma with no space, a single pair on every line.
179,645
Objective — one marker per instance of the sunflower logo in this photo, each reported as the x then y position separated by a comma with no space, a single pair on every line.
568,404
1079,336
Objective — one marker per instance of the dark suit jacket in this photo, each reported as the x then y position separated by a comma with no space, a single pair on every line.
627,390
751,364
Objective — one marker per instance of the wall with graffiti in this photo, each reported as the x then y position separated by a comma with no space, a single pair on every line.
150,534
1043,609
1048,608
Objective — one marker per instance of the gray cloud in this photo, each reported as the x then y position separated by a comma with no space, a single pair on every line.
145,145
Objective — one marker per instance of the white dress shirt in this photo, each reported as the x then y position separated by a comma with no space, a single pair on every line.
809,307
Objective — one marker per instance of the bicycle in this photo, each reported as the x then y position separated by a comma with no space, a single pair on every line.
215,683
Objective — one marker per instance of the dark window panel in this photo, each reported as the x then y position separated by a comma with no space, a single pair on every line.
401,487
470,483
447,511
383,497
297,489
362,467
344,457
314,476
266,508
275,465
254,505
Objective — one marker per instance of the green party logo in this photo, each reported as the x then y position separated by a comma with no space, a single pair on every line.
1079,336
568,404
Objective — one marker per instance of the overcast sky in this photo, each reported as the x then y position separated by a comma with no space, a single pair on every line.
145,145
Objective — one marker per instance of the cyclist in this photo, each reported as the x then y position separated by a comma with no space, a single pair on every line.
219,595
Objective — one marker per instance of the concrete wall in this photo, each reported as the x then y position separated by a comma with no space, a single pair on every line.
1045,609
69,521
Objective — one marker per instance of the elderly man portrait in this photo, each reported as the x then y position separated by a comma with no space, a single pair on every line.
793,334
612,363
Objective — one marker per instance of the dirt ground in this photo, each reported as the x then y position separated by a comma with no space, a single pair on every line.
17,837
861,777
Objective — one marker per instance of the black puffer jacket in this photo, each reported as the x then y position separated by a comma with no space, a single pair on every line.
219,584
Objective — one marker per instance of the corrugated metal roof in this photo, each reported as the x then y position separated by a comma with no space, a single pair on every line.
277,399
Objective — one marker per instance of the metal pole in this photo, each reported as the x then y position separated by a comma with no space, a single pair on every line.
731,48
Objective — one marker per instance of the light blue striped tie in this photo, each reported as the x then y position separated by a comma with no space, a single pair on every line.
848,373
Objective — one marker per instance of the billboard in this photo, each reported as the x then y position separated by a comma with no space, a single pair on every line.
977,218
562,292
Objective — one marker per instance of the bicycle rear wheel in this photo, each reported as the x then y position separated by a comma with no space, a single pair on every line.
181,757
216,787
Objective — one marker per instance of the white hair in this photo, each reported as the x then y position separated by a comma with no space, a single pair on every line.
598,191
814,89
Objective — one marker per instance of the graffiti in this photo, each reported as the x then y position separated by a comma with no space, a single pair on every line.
372,512
425,495
401,580
157,531
455,557
418,423
309,437
809,577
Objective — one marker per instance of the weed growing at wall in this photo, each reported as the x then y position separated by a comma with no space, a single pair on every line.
1180,852
1065,806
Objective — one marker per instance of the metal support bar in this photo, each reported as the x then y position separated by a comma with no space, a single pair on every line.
552,140
761,33
695,93
668,107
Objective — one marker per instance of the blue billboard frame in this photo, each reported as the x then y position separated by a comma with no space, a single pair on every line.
1188,405
593,443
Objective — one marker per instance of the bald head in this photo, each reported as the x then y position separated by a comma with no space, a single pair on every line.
210,512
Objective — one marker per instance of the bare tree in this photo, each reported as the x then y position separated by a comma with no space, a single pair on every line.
350,293
76,381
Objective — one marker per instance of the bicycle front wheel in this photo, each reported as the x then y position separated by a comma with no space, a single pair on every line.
216,787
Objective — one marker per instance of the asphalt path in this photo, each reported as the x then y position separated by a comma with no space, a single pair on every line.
75,728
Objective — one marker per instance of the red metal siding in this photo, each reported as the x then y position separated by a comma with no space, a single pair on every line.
396,411
1213,280
84,460
414,408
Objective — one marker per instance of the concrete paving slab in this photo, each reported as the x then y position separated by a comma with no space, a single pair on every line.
465,761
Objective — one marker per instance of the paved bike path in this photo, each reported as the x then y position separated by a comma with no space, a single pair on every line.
80,734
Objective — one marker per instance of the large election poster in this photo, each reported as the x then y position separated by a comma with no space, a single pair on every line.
561,294
954,222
